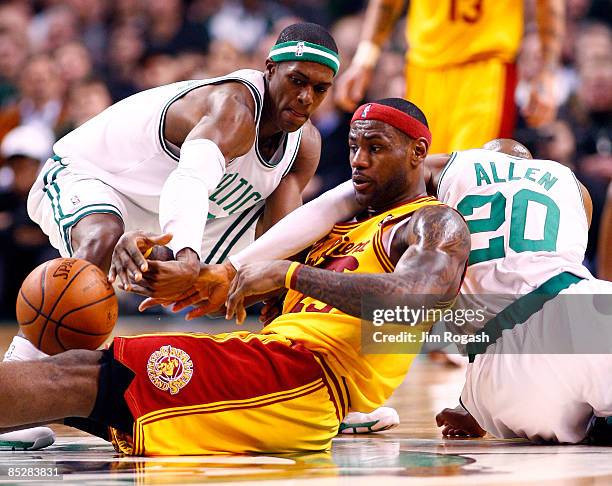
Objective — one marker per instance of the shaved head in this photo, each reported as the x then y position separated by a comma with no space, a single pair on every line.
509,147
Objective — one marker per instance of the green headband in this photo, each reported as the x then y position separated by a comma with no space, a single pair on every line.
305,51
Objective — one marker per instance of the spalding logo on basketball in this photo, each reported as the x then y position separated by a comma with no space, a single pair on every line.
66,303
170,369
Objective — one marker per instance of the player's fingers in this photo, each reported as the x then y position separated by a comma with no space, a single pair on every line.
440,420
160,240
137,288
180,304
265,312
112,273
201,310
137,261
122,274
194,314
233,301
234,284
240,313
148,303
129,270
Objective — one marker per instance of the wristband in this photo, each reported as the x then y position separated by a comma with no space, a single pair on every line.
291,274
367,54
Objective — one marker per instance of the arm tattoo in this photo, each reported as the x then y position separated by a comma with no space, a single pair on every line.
429,271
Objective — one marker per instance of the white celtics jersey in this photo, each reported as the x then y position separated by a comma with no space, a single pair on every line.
526,218
124,147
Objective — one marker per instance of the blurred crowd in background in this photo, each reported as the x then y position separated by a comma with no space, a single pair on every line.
64,61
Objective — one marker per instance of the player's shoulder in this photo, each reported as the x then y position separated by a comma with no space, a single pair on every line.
236,92
438,226
311,132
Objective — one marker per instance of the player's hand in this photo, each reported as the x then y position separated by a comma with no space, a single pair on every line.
207,294
210,291
169,280
351,86
541,109
128,261
271,309
254,279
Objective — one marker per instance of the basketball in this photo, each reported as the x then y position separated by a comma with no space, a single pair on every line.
66,303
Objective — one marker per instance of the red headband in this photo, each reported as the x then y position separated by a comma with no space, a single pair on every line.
394,117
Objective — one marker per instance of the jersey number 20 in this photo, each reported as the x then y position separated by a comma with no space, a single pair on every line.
518,220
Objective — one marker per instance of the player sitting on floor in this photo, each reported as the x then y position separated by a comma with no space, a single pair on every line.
286,388
529,222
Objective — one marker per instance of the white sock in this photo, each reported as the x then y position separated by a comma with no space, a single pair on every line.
23,350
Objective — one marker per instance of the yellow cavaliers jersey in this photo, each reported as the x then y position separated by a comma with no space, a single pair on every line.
366,381
450,32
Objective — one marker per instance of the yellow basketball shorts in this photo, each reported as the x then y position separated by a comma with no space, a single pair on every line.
466,105
229,393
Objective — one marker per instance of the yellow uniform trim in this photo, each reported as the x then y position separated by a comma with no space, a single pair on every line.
216,407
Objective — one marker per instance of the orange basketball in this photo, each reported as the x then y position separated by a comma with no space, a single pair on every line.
66,303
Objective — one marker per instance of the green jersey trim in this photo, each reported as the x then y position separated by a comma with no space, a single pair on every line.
520,311
224,239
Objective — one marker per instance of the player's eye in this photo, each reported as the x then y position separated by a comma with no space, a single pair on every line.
296,81
375,148
321,89
353,148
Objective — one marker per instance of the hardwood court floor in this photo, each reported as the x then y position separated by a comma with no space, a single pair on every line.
414,453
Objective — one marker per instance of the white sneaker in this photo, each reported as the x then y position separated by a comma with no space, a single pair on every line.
383,418
27,439
23,350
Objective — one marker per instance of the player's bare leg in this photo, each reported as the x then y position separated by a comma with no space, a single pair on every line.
33,392
458,422
94,238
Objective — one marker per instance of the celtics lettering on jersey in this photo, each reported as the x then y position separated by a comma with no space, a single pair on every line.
232,194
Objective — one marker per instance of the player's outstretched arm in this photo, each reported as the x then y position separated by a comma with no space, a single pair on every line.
299,229
379,21
429,270
292,234
225,131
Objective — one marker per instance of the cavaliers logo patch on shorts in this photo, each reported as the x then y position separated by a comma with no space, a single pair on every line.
170,369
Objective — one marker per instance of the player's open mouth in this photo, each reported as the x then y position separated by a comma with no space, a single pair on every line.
361,183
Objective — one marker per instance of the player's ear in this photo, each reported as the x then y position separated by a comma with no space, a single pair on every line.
271,67
420,149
